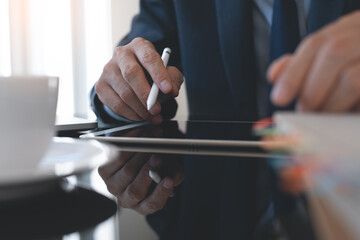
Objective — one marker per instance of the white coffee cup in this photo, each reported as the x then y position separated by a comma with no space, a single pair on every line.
27,119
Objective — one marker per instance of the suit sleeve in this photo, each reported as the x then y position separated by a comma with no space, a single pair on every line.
156,22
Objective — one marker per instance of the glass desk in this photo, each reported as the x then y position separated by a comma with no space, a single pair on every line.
219,195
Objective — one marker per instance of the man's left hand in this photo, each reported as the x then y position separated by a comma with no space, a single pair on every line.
324,72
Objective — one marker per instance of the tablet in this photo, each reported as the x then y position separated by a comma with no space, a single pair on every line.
64,123
193,134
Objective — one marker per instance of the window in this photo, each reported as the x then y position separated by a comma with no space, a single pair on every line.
72,39
66,38
5,59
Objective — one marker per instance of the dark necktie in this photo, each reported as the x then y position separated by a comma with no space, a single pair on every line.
285,36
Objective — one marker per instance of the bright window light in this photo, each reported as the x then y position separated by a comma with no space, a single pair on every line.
51,50
98,37
5,57
70,39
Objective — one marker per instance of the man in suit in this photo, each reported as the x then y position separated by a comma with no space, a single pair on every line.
223,48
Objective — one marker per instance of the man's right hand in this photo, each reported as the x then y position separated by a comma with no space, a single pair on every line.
124,88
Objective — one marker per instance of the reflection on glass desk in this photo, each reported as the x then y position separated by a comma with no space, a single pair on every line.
203,194
216,193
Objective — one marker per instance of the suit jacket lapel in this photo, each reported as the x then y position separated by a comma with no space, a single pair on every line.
323,12
235,27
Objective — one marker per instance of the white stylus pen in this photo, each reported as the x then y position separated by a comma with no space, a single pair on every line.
154,89
156,178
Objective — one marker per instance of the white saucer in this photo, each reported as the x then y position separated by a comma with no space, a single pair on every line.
65,157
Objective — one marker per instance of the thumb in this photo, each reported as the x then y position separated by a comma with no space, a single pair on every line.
176,79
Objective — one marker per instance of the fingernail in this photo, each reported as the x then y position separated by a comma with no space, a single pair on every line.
278,94
154,162
168,183
165,86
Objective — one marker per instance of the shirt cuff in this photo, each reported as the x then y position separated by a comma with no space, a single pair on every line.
115,116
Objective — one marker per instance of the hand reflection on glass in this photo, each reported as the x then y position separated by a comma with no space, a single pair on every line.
128,179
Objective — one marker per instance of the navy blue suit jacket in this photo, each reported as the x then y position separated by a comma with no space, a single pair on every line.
212,43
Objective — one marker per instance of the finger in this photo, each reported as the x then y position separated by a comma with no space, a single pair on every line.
138,189
289,82
175,169
136,90
157,199
152,62
108,170
277,67
357,108
178,177
129,97
128,173
349,22
111,99
157,120
127,94
332,58
346,95
176,78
